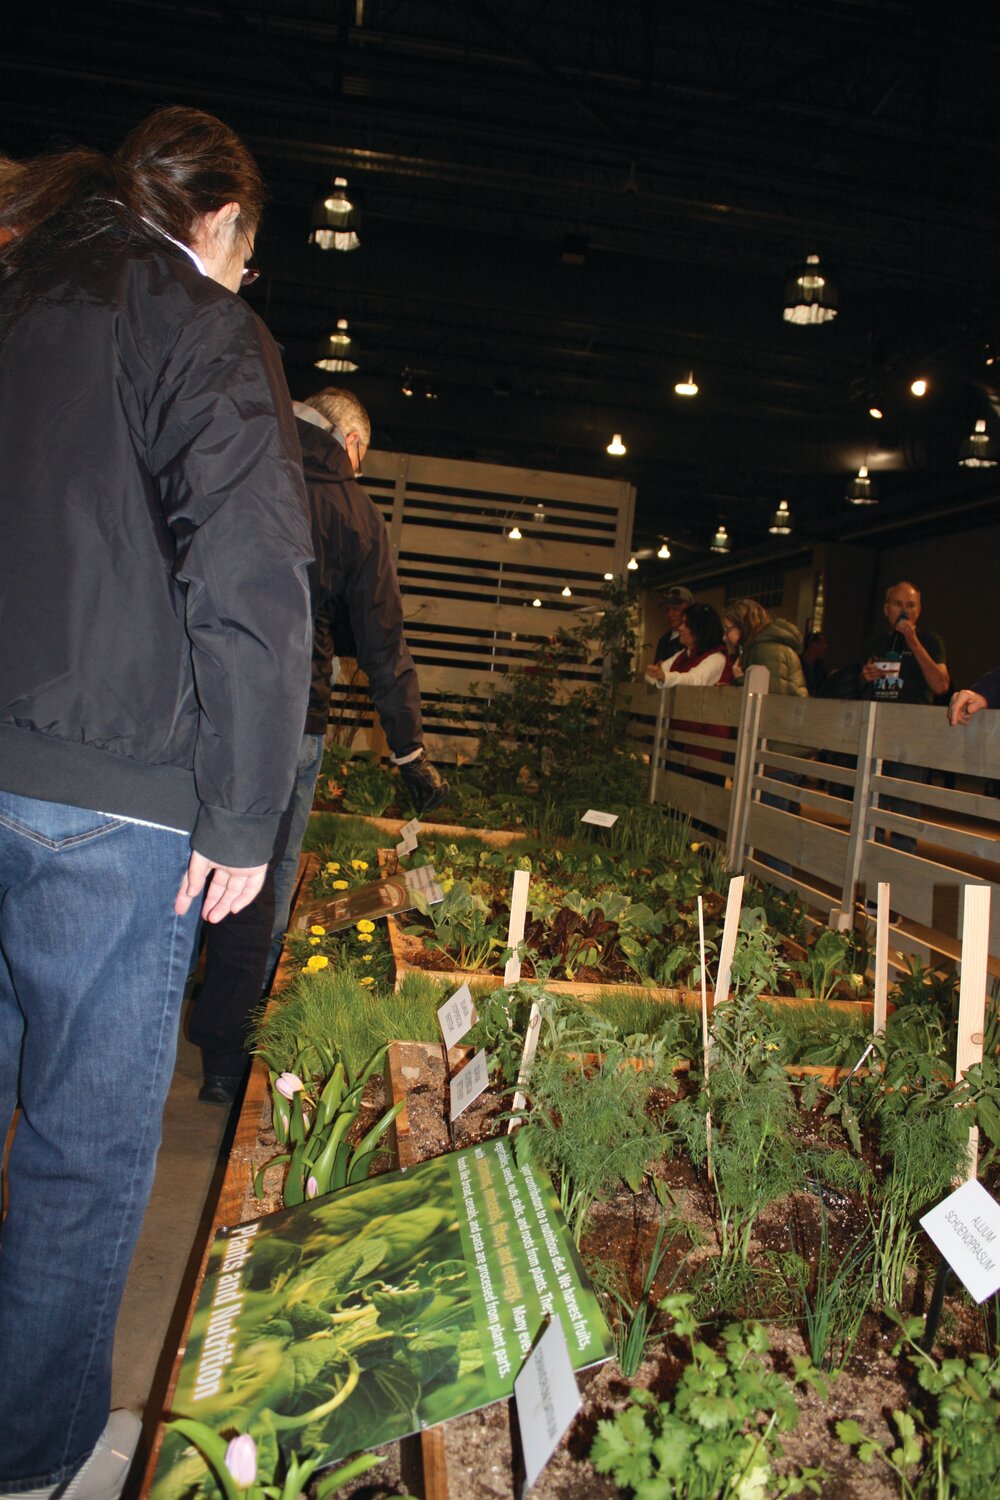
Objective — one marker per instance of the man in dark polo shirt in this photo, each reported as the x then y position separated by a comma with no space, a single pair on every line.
904,666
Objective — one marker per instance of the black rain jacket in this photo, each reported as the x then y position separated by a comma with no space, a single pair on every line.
154,613
359,610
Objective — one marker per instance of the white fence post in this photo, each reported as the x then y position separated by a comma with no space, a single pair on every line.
843,919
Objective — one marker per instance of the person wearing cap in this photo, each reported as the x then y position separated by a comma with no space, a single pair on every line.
675,602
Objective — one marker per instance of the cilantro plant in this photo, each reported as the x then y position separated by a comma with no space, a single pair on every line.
718,1435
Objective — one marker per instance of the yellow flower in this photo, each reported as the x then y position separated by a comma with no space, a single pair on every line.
332,868
364,937
366,958
367,979
316,962
365,926
694,848
318,931
340,885
313,942
359,864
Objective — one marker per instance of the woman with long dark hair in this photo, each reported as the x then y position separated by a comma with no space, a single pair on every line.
155,619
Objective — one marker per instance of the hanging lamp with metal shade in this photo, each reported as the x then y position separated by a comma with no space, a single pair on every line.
720,541
860,490
781,521
810,296
336,218
338,352
979,450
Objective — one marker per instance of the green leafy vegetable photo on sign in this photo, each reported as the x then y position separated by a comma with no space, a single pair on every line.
355,1319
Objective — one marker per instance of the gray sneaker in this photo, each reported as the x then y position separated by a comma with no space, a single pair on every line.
102,1476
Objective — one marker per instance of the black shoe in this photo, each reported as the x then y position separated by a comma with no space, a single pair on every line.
219,1090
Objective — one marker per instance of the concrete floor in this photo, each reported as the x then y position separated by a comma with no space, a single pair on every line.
188,1173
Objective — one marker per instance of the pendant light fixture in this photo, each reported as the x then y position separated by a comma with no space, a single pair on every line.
979,450
781,521
859,491
810,296
688,387
338,351
336,218
616,447
567,592
664,551
633,564
609,577
720,541
514,534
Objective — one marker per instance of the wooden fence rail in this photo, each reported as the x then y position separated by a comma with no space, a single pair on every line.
828,799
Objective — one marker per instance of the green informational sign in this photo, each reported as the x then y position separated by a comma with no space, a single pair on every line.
361,1317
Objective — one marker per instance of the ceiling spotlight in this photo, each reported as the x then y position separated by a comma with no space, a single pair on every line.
859,491
514,534
664,552
978,451
616,446
720,541
336,218
876,413
632,565
536,603
338,352
781,521
918,387
407,386
430,393
810,297
567,592
609,577
686,387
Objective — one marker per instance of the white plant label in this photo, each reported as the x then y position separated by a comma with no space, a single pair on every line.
424,880
601,819
456,1016
965,1227
408,842
469,1084
547,1397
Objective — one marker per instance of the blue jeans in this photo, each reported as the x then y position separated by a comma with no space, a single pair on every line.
92,968
310,760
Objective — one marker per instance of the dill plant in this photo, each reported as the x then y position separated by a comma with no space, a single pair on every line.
589,1128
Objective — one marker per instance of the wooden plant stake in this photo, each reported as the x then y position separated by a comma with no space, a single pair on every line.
706,1040
881,960
968,1051
972,994
511,975
730,930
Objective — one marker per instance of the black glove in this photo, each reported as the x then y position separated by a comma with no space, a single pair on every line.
423,783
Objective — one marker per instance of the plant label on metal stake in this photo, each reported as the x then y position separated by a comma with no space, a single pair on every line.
881,960
408,842
469,1083
547,1398
730,930
599,819
965,1227
515,931
457,1015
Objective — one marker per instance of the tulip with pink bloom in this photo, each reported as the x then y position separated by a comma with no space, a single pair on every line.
288,1084
312,1188
241,1460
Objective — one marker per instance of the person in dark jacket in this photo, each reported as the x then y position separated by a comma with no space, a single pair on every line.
968,701
358,604
156,627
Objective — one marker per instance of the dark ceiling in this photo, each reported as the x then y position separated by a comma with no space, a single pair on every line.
699,148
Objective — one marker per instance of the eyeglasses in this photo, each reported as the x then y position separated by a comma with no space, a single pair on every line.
251,271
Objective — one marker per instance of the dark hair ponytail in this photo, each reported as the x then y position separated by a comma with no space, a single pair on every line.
175,167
